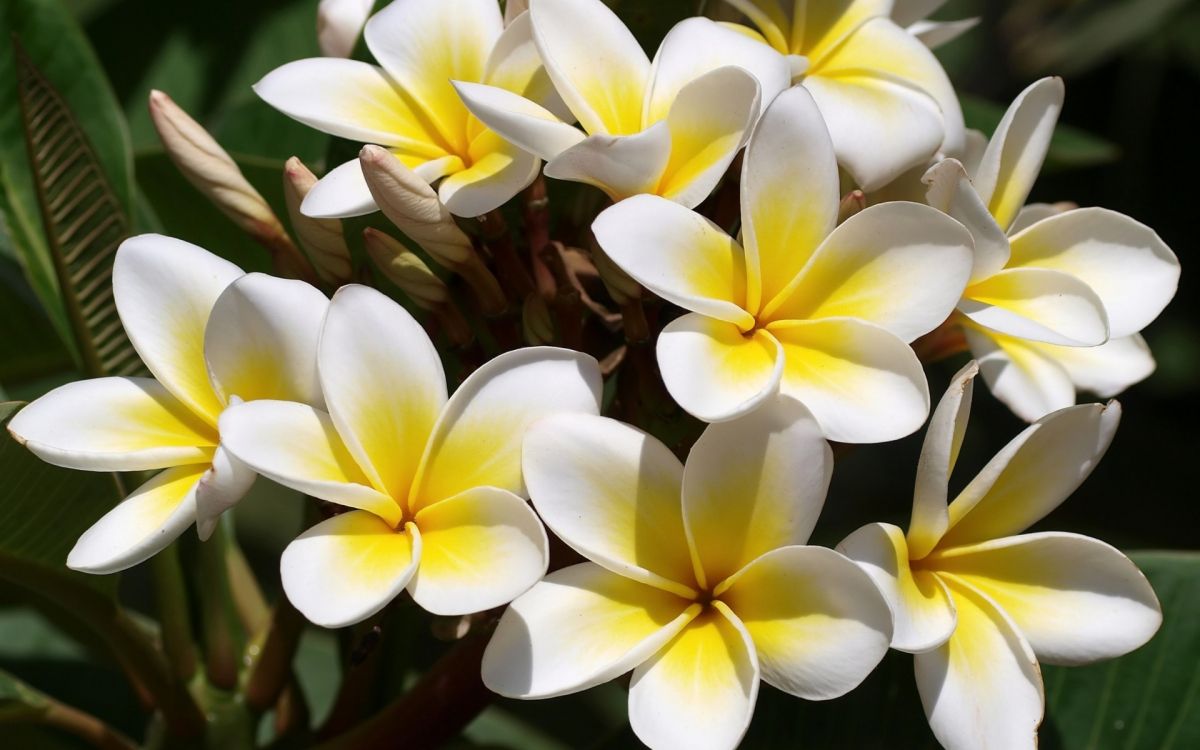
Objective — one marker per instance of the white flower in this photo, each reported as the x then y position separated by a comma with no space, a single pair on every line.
339,22
434,482
698,580
978,602
889,104
668,128
824,314
410,106
1047,283
211,336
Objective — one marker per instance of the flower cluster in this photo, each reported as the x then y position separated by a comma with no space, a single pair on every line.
792,326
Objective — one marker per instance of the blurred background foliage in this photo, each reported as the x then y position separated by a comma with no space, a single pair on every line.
1128,141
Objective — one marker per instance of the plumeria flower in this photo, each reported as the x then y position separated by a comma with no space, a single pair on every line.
669,128
980,603
824,314
410,107
433,483
698,578
339,24
212,337
1049,287
913,15
888,102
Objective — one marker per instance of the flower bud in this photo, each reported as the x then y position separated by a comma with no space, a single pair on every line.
339,24
851,204
536,323
404,269
322,239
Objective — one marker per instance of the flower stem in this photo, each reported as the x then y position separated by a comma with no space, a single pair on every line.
271,657
83,725
219,617
170,595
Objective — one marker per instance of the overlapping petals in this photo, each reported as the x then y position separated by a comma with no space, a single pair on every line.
433,480
821,313
698,579
978,601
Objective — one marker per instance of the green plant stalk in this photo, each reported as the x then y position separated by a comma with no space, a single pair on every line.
84,726
219,615
269,658
173,616
248,597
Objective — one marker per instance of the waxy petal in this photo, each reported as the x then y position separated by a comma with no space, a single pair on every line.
142,525
261,340
347,568
1038,304
714,371
908,12
1032,475
113,424
677,254
1104,370
515,65
499,170
384,384
612,493
950,191
224,485
862,383
299,447
165,290
818,623
621,166
479,550
519,120
340,194
1075,599
982,688
1124,262
699,690
477,440
922,609
579,627
1020,374
752,485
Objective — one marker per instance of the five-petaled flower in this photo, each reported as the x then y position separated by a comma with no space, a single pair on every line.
212,336
669,128
410,106
434,482
1056,299
824,314
699,578
977,601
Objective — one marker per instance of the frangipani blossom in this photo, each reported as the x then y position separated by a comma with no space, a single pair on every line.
212,336
434,483
913,15
823,313
410,106
700,597
977,601
888,102
668,128
1050,288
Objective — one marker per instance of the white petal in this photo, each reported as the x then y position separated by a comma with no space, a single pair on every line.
579,627
1033,474
143,524
1125,263
1032,213
714,371
789,194
754,484
1018,147
907,12
224,484
699,690
982,690
340,194
113,424
479,550
384,383
950,190
298,447
339,24
261,340
1019,374
1104,370
922,609
1038,304
1076,599
597,66
934,34
498,171
677,254
515,65
621,166
901,266
862,383
347,568
612,493
520,121
939,453
165,290
477,439
818,623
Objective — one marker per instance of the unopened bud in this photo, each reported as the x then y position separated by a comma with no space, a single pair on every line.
854,202
213,172
418,282
322,239
339,24
514,8
536,323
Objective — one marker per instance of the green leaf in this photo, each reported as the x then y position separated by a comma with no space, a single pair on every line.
57,46
1070,147
29,346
